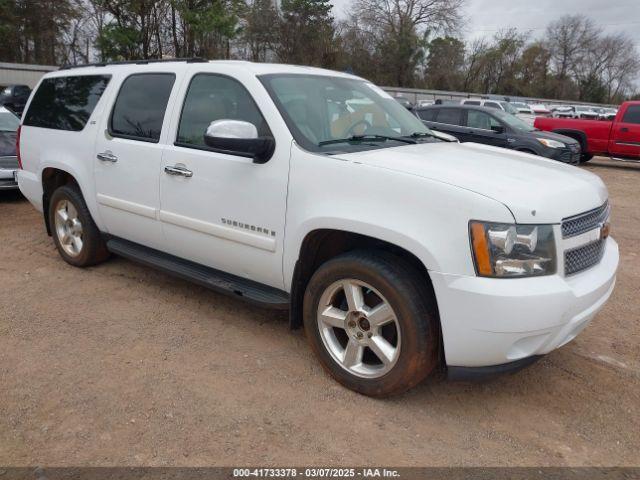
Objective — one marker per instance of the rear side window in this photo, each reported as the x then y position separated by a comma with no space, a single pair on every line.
139,110
472,102
65,103
450,116
428,115
632,115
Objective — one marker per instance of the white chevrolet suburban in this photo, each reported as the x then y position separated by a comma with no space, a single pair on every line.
311,190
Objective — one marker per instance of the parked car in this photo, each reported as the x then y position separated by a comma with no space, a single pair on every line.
394,249
425,103
586,112
618,139
540,110
8,160
404,102
607,113
522,108
500,105
14,98
494,127
562,111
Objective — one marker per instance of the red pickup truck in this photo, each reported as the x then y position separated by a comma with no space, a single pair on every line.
619,139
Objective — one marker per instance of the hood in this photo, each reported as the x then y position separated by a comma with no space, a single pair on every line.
554,136
7,144
535,189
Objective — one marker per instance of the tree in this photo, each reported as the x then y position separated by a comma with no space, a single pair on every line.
445,64
569,39
258,34
306,33
400,29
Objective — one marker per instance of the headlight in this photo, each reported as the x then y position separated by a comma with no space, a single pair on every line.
508,250
551,143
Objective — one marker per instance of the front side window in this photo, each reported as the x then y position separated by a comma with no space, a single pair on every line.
482,120
216,97
325,113
138,113
632,115
65,103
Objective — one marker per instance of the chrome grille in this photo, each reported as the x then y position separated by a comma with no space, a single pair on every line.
584,257
8,162
584,222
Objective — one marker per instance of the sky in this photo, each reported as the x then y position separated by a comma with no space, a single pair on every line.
485,17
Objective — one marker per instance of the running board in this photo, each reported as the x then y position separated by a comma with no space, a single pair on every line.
627,160
222,282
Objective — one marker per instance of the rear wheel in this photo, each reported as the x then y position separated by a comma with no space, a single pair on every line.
372,322
75,234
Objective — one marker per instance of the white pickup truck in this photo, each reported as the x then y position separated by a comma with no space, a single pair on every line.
399,251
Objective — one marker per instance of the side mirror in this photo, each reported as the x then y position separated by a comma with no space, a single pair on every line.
237,137
497,128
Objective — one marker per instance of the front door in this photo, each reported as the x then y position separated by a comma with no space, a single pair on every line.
223,211
625,135
128,156
480,129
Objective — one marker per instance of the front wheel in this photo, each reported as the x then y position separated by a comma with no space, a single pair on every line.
585,157
371,320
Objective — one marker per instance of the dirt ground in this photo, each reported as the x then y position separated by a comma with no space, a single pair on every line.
122,365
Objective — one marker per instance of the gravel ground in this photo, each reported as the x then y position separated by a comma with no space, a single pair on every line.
122,365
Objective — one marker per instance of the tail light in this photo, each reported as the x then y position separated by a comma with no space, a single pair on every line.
18,147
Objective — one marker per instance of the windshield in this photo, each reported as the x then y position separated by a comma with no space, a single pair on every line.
322,110
509,108
513,122
8,122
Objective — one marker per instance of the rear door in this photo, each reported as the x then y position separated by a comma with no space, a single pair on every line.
625,135
128,157
449,120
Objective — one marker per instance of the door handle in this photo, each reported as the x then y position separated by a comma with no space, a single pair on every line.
178,171
624,129
107,157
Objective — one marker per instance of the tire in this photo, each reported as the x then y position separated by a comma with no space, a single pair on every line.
413,333
585,157
91,249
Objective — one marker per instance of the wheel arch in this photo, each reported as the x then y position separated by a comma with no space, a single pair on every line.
53,178
322,244
577,135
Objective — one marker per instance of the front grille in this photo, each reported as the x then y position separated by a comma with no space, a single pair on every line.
584,222
584,257
575,147
9,162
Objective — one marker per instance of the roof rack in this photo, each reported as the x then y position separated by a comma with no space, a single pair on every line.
136,62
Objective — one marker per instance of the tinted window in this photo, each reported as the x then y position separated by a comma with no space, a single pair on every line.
450,116
478,119
215,97
472,102
429,114
632,115
139,111
492,105
65,103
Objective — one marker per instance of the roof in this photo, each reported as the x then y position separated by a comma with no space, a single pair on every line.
255,68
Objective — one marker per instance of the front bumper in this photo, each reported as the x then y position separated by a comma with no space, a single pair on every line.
492,322
565,155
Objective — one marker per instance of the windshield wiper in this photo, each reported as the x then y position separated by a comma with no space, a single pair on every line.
366,138
420,135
